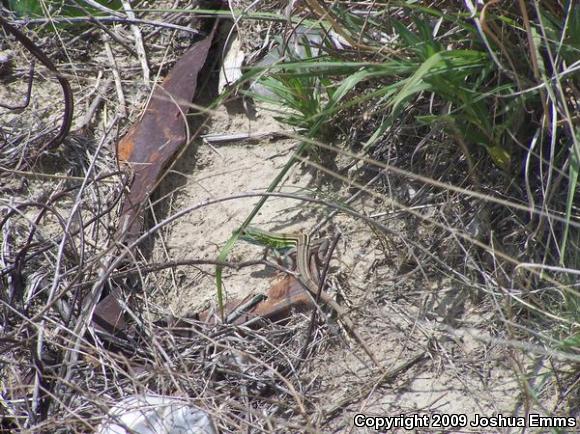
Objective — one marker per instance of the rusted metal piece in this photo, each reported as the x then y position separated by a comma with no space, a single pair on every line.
109,316
145,151
151,144
286,295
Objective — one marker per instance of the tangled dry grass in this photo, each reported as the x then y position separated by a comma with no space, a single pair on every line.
464,231
59,217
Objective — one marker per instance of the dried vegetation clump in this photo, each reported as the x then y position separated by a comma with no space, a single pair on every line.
451,130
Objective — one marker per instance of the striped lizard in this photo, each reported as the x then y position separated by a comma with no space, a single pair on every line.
302,244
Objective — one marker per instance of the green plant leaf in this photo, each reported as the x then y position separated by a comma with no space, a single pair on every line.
572,186
416,83
36,8
500,156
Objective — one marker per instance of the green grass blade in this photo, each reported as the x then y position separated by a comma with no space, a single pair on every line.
225,251
572,184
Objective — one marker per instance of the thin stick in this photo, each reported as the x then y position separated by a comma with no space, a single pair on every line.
117,77
106,19
138,43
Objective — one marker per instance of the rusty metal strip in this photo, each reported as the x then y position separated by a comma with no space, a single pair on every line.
151,144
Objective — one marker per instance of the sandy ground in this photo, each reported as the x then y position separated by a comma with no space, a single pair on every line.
398,316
